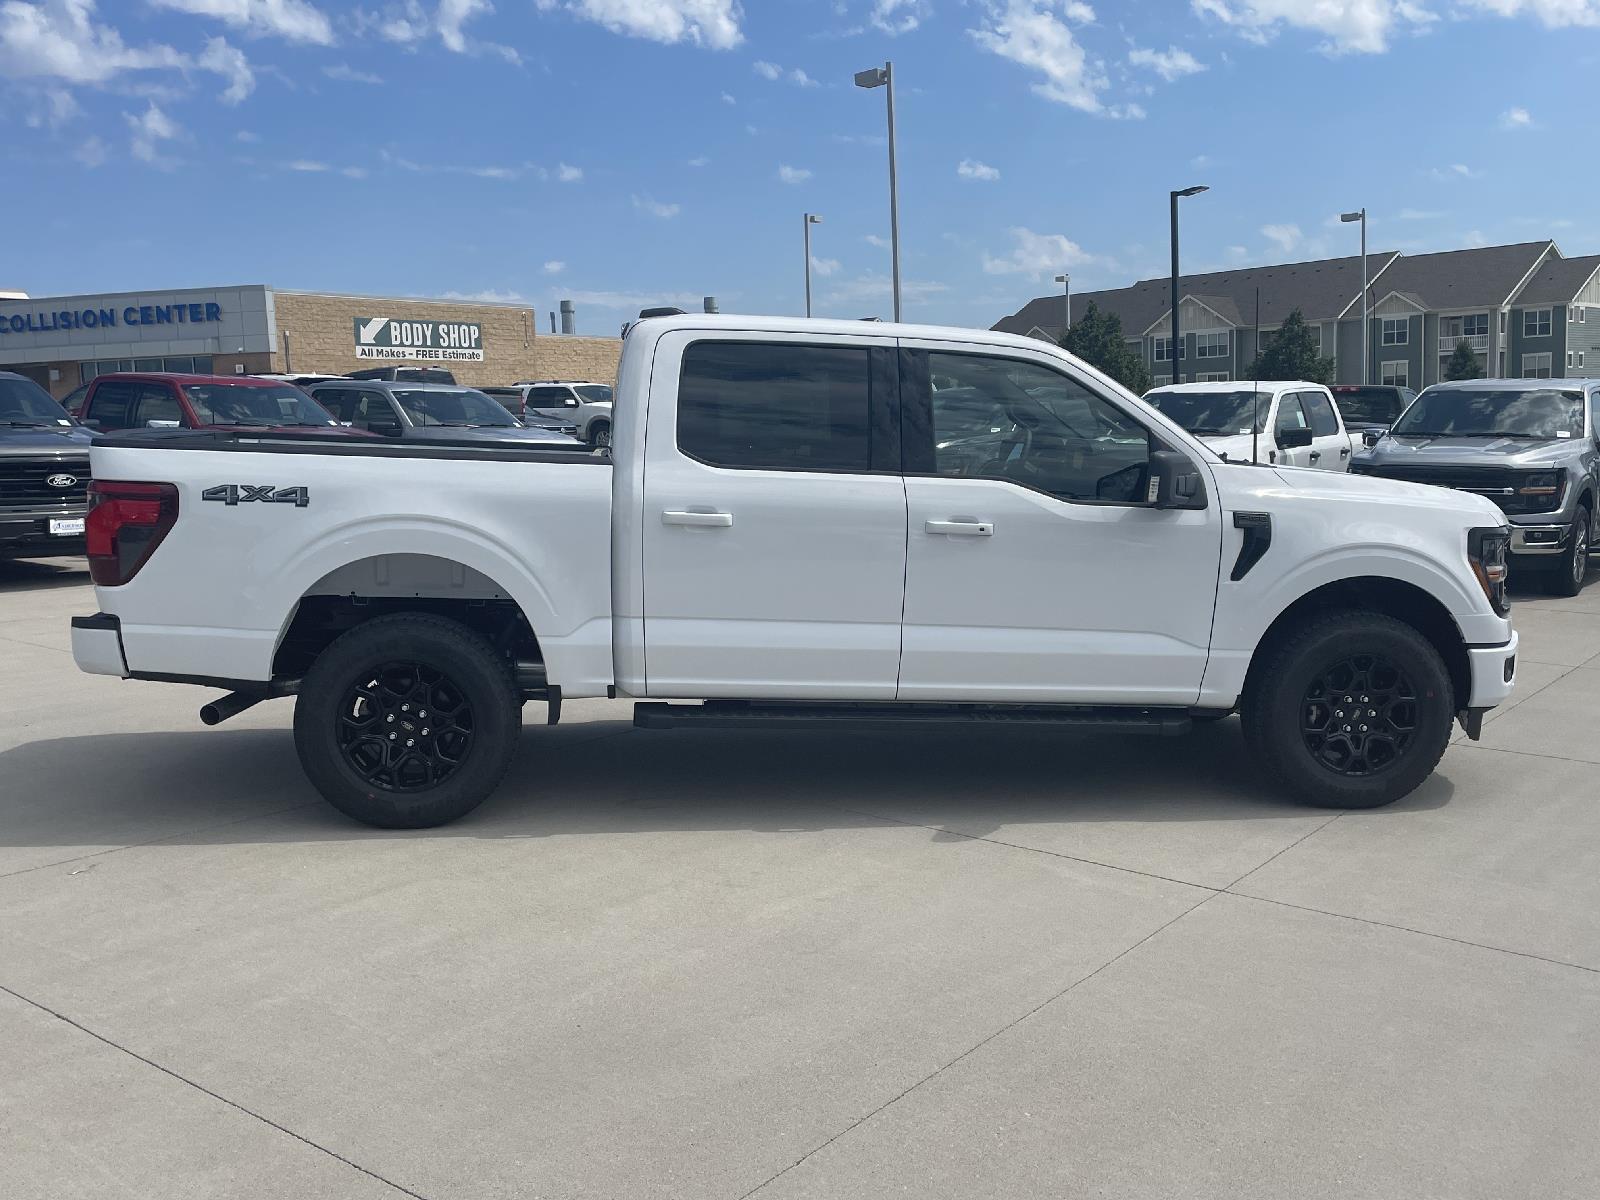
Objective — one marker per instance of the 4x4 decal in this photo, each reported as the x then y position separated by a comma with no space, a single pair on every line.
245,493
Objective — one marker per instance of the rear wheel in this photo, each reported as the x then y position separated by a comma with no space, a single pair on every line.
1353,710
600,435
1573,566
407,721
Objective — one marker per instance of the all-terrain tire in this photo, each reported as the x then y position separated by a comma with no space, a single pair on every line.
407,721
1291,678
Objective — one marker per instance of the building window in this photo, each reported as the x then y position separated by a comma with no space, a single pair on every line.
1164,349
1211,345
1473,329
1395,374
1569,358
1580,358
1211,377
1162,380
1396,331
1502,322
1536,322
1536,366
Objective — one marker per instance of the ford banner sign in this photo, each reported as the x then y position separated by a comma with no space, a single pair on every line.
418,341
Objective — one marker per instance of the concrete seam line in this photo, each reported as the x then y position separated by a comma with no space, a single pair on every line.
1443,937
978,837
36,645
1584,762
1009,1025
1282,852
207,1091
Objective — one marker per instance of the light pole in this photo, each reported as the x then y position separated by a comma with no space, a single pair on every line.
884,77
811,219
1066,282
1175,346
1366,300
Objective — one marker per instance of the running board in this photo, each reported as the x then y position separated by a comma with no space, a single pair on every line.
745,714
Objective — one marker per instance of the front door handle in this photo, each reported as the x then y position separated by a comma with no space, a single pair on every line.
703,520
961,528
1315,455
1345,453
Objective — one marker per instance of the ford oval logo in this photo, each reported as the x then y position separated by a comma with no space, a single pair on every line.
61,481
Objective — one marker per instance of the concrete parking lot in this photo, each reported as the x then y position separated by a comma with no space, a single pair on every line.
1004,963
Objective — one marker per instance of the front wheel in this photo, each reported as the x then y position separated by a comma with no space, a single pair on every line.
1351,710
600,435
1573,566
407,721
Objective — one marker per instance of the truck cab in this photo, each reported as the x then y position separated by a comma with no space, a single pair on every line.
1291,424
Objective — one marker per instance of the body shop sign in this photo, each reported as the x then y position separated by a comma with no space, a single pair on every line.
418,341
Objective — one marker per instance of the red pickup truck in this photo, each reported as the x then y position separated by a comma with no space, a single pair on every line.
154,400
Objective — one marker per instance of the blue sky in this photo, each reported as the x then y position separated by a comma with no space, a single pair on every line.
624,152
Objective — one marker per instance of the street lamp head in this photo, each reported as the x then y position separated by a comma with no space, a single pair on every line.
1063,278
813,219
1355,216
876,77
1193,191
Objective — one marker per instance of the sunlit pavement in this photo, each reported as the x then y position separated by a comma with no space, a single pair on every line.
999,963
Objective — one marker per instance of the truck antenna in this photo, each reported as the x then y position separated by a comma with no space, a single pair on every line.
1255,393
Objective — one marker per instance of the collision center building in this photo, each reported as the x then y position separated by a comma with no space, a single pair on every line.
62,342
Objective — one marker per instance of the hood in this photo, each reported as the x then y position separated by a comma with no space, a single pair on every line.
48,439
1407,450
1390,493
1236,446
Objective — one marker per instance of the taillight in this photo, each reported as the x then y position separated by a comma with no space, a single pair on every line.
126,523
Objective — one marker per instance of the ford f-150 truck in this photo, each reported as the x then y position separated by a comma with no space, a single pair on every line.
791,530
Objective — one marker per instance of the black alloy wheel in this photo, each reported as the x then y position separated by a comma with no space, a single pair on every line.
1359,716
406,728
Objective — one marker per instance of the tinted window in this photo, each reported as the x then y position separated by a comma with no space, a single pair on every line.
1379,405
26,403
341,402
109,405
157,403
774,406
551,398
241,404
1494,412
462,406
998,418
594,393
1320,412
1211,414
1290,414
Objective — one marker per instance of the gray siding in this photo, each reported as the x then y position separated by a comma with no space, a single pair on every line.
1520,343
1584,337
1411,353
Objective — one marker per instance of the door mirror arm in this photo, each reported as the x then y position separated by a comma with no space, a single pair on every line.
1174,481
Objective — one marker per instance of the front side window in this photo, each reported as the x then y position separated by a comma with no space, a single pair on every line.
1396,331
775,406
999,418
1290,414
158,408
1320,413
109,406
1536,322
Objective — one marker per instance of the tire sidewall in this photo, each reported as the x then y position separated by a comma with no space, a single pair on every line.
430,641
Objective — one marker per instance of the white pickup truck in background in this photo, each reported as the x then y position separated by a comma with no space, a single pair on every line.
801,523
1287,424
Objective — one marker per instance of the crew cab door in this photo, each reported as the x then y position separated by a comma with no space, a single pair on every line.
773,517
1034,571
557,402
1330,445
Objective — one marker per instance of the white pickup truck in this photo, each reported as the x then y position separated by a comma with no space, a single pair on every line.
801,523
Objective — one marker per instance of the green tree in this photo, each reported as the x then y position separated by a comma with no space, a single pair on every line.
1463,363
1097,338
1291,354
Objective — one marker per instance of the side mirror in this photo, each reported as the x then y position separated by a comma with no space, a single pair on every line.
1174,481
1293,439
1371,437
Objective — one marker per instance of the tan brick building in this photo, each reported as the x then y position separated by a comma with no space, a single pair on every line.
64,341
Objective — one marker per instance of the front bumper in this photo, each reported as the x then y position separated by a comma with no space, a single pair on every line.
97,645
1539,539
1494,673
27,531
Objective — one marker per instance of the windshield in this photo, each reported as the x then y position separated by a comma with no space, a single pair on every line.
1376,404
458,406
239,404
594,393
1539,413
1213,414
23,402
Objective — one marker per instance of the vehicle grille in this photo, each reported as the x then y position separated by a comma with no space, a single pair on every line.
24,481
1496,484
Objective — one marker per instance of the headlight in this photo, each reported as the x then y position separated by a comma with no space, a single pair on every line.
1487,549
1542,483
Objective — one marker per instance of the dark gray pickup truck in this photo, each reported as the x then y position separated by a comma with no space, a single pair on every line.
44,473
1532,446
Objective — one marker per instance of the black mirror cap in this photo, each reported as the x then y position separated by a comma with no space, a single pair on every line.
1174,481
1371,437
1293,439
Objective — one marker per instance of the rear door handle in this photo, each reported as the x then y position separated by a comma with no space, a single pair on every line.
1315,455
1345,453
704,520
961,528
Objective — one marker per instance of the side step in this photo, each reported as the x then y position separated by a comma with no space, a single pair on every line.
750,714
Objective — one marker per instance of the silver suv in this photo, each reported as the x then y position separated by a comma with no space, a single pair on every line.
586,405
1532,446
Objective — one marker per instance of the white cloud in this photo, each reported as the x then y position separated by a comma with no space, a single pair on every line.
91,152
1171,63
632,302
295,20
727,99
972,169
655,208
229,62
1359,26
767,70
1200,162
58,107
345,73
773,72
699,161
1037,254
793,174
710,23
245,136
1284,237
307,165
59,39
1418,214
824,266
566,174
1029,33
408,23
487,296
878,287
1516,118
150,129
353,172
1454,171
895,17
1554,14
872,239
554,267
452,15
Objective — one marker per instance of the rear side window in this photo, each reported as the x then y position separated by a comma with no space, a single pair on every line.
1320,413
775,406
108,407
551,398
